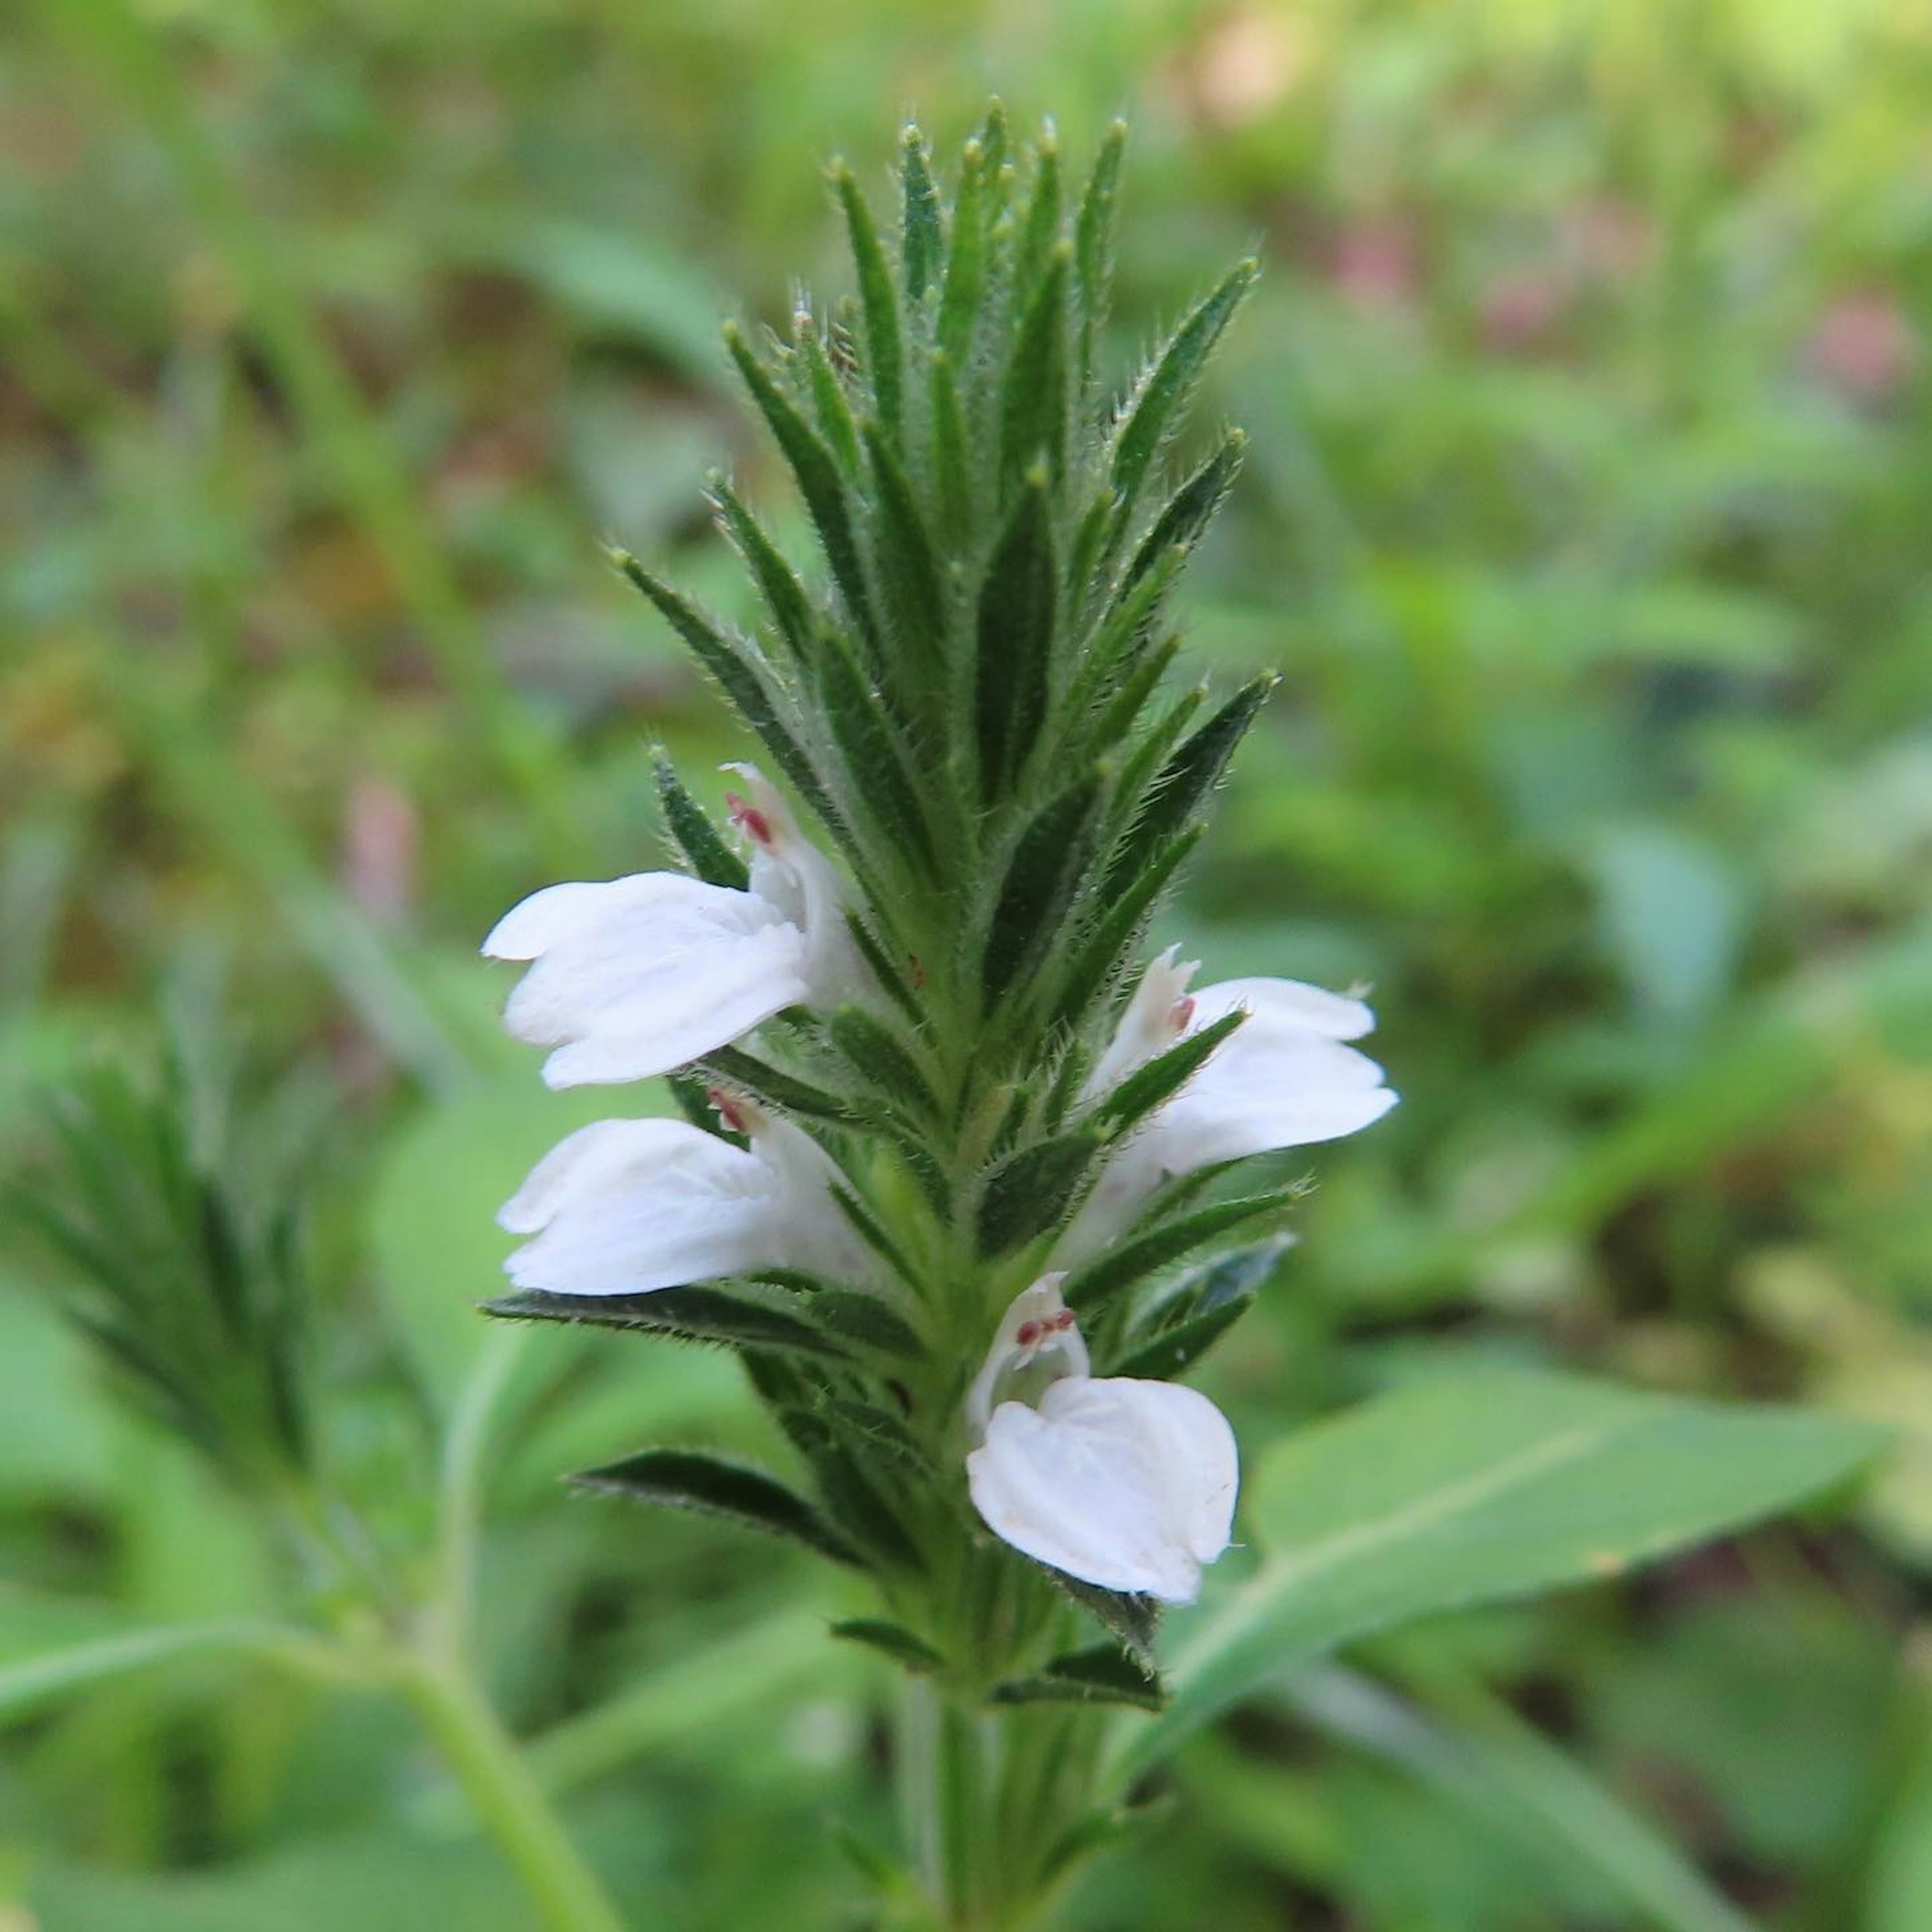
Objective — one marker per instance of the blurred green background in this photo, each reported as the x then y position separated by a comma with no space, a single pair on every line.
1588,514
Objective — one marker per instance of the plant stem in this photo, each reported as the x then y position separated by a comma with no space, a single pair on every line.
943,1758
508,1801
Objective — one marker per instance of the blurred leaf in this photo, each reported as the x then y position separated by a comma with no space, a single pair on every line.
1476,1491
1672,914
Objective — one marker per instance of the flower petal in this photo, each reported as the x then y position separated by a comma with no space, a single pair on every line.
1127,1484
1284,1004
625,1206
636,976
1261,1091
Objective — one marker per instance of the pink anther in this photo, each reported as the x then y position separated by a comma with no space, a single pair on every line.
1181,1016
727,1110
757,827
1063,1320
1028,1332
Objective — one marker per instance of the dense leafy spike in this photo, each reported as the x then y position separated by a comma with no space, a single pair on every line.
966,262
1027,1192
691,828
1013,640
741,673
1173,1351
885,352
874,753
696,1314
908,565
1152,1085
1128,1262
785,596
1043,216
1130,1618
893,1640
684,1479
813,464
922,242
1042,878
1093,240
1189,511
877,1053
1192,773
1157,404
1034,403
828,400
758,1080
1104,1674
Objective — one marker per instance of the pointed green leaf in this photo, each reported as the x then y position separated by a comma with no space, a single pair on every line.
829,401
1480,1489
1154,1083
1105,1674
1038,237
1102,954
1047,869
817,470
1034,402
1184,783
1093,240
966,265
951,460
691,828
1170,1354
908,568
1130,1262
1013,640
922,243
883,1060
1131,1619
683,1479
784,595
876,762
1156,407
869,1320
696,1314
1184,521
1028,1192
885,350
893,1640
758,1080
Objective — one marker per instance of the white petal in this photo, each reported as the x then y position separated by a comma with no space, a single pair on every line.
625,1206
1285,1004
1127,1484
1151,1024
639,975
1258,1093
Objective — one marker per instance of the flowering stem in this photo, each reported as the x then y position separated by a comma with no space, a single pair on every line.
508,1801
943,1753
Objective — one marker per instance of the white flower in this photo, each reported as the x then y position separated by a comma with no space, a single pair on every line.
625,1206
1127,1484
634,977
1283,1078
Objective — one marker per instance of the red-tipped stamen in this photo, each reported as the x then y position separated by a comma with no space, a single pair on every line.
756,826
727,1110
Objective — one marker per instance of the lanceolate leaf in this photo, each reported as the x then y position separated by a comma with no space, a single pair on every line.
1157,404
696,837
761,1080
894,1640
1153,1085
1173,1351
1013,645
966,265
818,480
784,595
828,400
1027,1193
1477,1490
923,241
1104,1674
1093,240
885,350
741,674
1033,407
1133,1619
687,1479
875,762
1101,954
1184,521
1127,1262
884,1060
1041,878
1192,773
698,1314
1043,214
908,569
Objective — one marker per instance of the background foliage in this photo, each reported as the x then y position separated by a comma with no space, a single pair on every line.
1584,510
